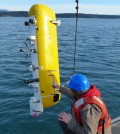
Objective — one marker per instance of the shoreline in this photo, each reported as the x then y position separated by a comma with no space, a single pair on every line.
60,15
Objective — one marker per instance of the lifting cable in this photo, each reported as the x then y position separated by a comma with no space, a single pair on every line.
77,7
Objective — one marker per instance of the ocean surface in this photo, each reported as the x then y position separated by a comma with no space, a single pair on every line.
97,56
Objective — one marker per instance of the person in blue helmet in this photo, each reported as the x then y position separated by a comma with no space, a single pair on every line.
89,112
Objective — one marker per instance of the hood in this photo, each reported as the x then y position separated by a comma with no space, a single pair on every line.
93,91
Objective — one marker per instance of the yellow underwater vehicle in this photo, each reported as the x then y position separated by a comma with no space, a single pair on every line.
44,57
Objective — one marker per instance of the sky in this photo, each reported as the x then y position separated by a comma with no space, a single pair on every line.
66,6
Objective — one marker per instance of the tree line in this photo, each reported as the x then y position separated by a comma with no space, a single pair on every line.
60,15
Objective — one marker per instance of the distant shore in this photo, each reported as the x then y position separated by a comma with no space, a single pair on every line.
60,15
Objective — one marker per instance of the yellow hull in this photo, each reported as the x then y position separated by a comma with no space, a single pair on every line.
47,53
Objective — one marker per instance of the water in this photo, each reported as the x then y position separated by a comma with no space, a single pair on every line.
97,57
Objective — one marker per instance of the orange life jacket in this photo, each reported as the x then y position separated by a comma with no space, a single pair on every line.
105,117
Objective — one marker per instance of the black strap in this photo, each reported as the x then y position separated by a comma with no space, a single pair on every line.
103,129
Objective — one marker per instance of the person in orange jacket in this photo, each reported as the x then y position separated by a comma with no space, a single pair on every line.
89,112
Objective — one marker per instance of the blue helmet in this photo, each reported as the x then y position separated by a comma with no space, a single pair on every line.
79,83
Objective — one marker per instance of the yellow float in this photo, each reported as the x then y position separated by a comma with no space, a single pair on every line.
47,65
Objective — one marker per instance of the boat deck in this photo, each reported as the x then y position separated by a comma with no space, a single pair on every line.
116,126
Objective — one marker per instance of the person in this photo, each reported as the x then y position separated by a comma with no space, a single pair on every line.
89,112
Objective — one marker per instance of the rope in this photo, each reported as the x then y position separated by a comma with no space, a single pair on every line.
77,7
